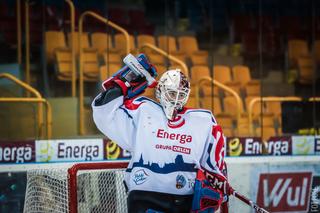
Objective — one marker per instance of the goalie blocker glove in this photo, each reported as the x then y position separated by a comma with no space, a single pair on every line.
134,77
206,199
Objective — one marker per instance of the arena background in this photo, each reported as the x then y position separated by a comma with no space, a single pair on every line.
254,63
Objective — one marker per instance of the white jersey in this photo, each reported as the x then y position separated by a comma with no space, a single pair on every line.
165,154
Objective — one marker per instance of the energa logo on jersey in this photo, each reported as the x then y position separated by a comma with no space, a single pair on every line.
284,192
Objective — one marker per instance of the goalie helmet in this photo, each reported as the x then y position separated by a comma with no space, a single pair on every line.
172,92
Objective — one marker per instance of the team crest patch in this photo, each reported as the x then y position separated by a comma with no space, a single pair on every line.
180,181
140,177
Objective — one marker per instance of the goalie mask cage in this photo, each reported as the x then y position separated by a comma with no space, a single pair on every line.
85,187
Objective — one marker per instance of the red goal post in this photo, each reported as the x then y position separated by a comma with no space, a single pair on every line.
83,187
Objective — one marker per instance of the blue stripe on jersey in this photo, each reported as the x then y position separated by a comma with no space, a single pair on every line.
205,111
178,165
209,163
126,111
142,98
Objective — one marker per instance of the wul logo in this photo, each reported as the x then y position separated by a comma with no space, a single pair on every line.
284,191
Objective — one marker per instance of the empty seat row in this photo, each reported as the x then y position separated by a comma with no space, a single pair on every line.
238,78
181,47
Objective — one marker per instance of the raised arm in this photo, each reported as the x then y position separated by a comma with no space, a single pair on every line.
110,114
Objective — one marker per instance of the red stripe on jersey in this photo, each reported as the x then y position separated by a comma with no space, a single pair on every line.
219,151
176,125
130,105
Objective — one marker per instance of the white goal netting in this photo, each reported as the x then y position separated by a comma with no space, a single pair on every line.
98,190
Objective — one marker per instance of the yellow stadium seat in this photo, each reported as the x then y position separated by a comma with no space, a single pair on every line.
256,110
275,109
230,105
107,71
53,41
102,42
198,72
156,59
167,43
265,132
91,66
252,89
206,89
63,56
207,102
84,39
120,43
142,39
199,60
223,75
243,129
63,65
266,120
242,75
112,58
181,57
242,132
189,45
192,103
228,132
224,120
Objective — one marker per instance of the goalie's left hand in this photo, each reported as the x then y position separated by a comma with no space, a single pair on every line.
205,197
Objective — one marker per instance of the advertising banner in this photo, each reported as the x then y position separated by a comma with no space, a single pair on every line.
288,185
17,152
278,184
105,149
69,150
254,146
113,151
303,145
284,192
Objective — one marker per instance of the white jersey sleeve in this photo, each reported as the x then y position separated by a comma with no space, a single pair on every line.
213,157
116,122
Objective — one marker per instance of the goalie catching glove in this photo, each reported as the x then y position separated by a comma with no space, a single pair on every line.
134,77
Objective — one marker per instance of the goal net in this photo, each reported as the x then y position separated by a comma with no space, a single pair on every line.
85,187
